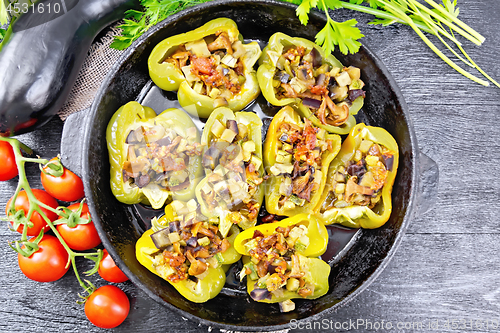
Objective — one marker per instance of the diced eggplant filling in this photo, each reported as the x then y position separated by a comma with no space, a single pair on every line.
327,91
361,180
235,177
212,66
161,156
298,162
275,264
190,244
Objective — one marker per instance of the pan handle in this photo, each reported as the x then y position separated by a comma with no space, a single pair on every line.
428,184
72,141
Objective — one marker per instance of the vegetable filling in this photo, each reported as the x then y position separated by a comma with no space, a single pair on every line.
189,244
275,265
298,161
212,66
361,180
161,156
327,91
235,178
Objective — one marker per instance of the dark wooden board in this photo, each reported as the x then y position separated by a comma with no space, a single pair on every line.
445,269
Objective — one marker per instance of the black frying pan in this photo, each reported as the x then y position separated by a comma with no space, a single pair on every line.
356,257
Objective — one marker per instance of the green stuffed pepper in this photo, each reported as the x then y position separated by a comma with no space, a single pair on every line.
279,260
209,67
297,71
232,190
359,185
296,157
153,157
185,249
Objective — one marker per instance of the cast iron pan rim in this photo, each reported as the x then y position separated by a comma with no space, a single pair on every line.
107,243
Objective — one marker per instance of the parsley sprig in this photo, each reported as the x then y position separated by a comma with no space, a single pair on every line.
440,20
345,35
137,22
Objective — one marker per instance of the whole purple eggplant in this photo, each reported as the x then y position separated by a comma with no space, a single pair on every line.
42,55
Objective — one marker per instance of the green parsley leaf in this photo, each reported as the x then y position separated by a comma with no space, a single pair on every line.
347,36
373,3
303,10
450,7
343,34
4,14
325,39
137,23
332,4
134,14
121,42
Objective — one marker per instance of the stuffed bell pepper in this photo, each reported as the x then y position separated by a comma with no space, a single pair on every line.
153,157
188,251
359,184
296,70
279,260
232,190
209,67
296,157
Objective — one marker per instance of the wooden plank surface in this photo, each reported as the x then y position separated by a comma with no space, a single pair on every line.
445,270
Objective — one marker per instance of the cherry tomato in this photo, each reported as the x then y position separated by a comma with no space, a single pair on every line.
83,236
109,271
48,263
68,187
8,168
22,203
107,307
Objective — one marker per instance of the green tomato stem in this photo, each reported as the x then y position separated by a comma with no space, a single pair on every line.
36,206
86,254
21,184
35,160
53,228
82,284
47,207
25,148
71,254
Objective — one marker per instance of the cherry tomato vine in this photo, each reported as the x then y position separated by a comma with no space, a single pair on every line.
25,246
46,258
